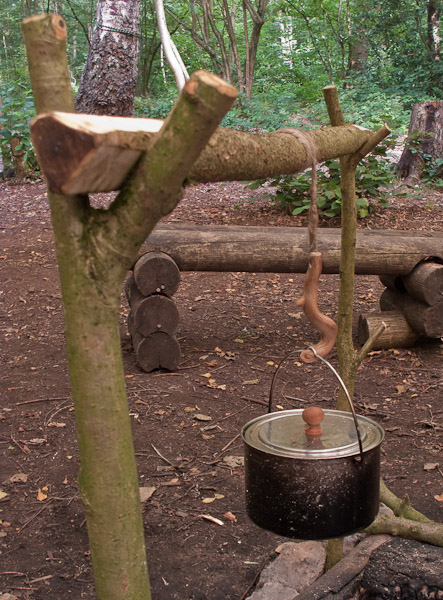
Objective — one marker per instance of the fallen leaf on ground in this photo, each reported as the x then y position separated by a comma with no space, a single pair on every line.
200,417
212,519
234,461
230,516
41,495
2,494
18,478
439,497
430,466
146,493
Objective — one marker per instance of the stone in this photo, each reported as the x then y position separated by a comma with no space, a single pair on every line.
297,566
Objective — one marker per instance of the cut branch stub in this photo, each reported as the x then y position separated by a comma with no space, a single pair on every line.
309,302
156,272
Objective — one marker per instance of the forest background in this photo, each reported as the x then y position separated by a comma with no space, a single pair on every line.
384,56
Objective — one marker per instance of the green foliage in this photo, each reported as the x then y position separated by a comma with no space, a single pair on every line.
155,108
374,178
17,111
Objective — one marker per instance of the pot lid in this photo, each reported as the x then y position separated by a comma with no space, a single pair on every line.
284,434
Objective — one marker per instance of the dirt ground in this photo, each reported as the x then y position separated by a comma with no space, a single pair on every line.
234,329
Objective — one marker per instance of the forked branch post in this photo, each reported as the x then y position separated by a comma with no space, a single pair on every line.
96,248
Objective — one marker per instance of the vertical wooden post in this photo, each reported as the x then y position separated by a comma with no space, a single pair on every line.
94,251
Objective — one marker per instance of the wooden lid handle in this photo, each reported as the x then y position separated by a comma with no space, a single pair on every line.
313,416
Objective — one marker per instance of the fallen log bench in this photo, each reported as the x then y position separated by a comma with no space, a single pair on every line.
171,249
255,249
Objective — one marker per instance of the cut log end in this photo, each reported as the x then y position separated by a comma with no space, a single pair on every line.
156,351
156,273
398,332
425,320
211,80
154,313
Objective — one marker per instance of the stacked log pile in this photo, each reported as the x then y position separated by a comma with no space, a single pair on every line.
153,317
411,306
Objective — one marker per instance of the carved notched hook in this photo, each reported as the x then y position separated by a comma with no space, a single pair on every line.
309,303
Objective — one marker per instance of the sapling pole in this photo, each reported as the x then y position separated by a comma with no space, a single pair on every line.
407,521
345,349
95,249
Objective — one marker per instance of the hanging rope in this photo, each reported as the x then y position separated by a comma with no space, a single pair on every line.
311,156
309,299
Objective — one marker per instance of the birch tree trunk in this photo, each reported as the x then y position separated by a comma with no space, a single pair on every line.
171,53
107,85
94,251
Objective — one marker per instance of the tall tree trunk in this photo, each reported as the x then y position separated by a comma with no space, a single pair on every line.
433,29
107,85
94,251
424,142
257,14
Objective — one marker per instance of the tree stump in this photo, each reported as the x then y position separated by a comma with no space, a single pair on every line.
424,141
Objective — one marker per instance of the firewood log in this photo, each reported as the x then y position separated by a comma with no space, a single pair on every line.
153,313
156,351
425,283
398,332
156,272
424,319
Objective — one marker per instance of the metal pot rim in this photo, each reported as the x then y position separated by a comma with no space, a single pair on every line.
372,435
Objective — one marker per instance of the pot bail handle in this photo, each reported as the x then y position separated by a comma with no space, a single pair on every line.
340,381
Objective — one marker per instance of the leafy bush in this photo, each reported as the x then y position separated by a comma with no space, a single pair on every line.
154,108
16,112
374,178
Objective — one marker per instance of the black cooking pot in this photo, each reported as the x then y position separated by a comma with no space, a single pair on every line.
307,480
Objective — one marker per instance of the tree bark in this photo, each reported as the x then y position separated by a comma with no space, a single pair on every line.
398,332
95,249
172,54
424,142
424,319
107,85
433,30
285,249
97,153
425,283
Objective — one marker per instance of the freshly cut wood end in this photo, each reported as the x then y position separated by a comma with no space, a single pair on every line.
60,29
99,124
223,86
34,18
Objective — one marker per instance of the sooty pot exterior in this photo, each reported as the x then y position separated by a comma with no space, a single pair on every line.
312,499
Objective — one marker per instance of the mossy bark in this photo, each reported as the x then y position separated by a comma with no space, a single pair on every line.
95,249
